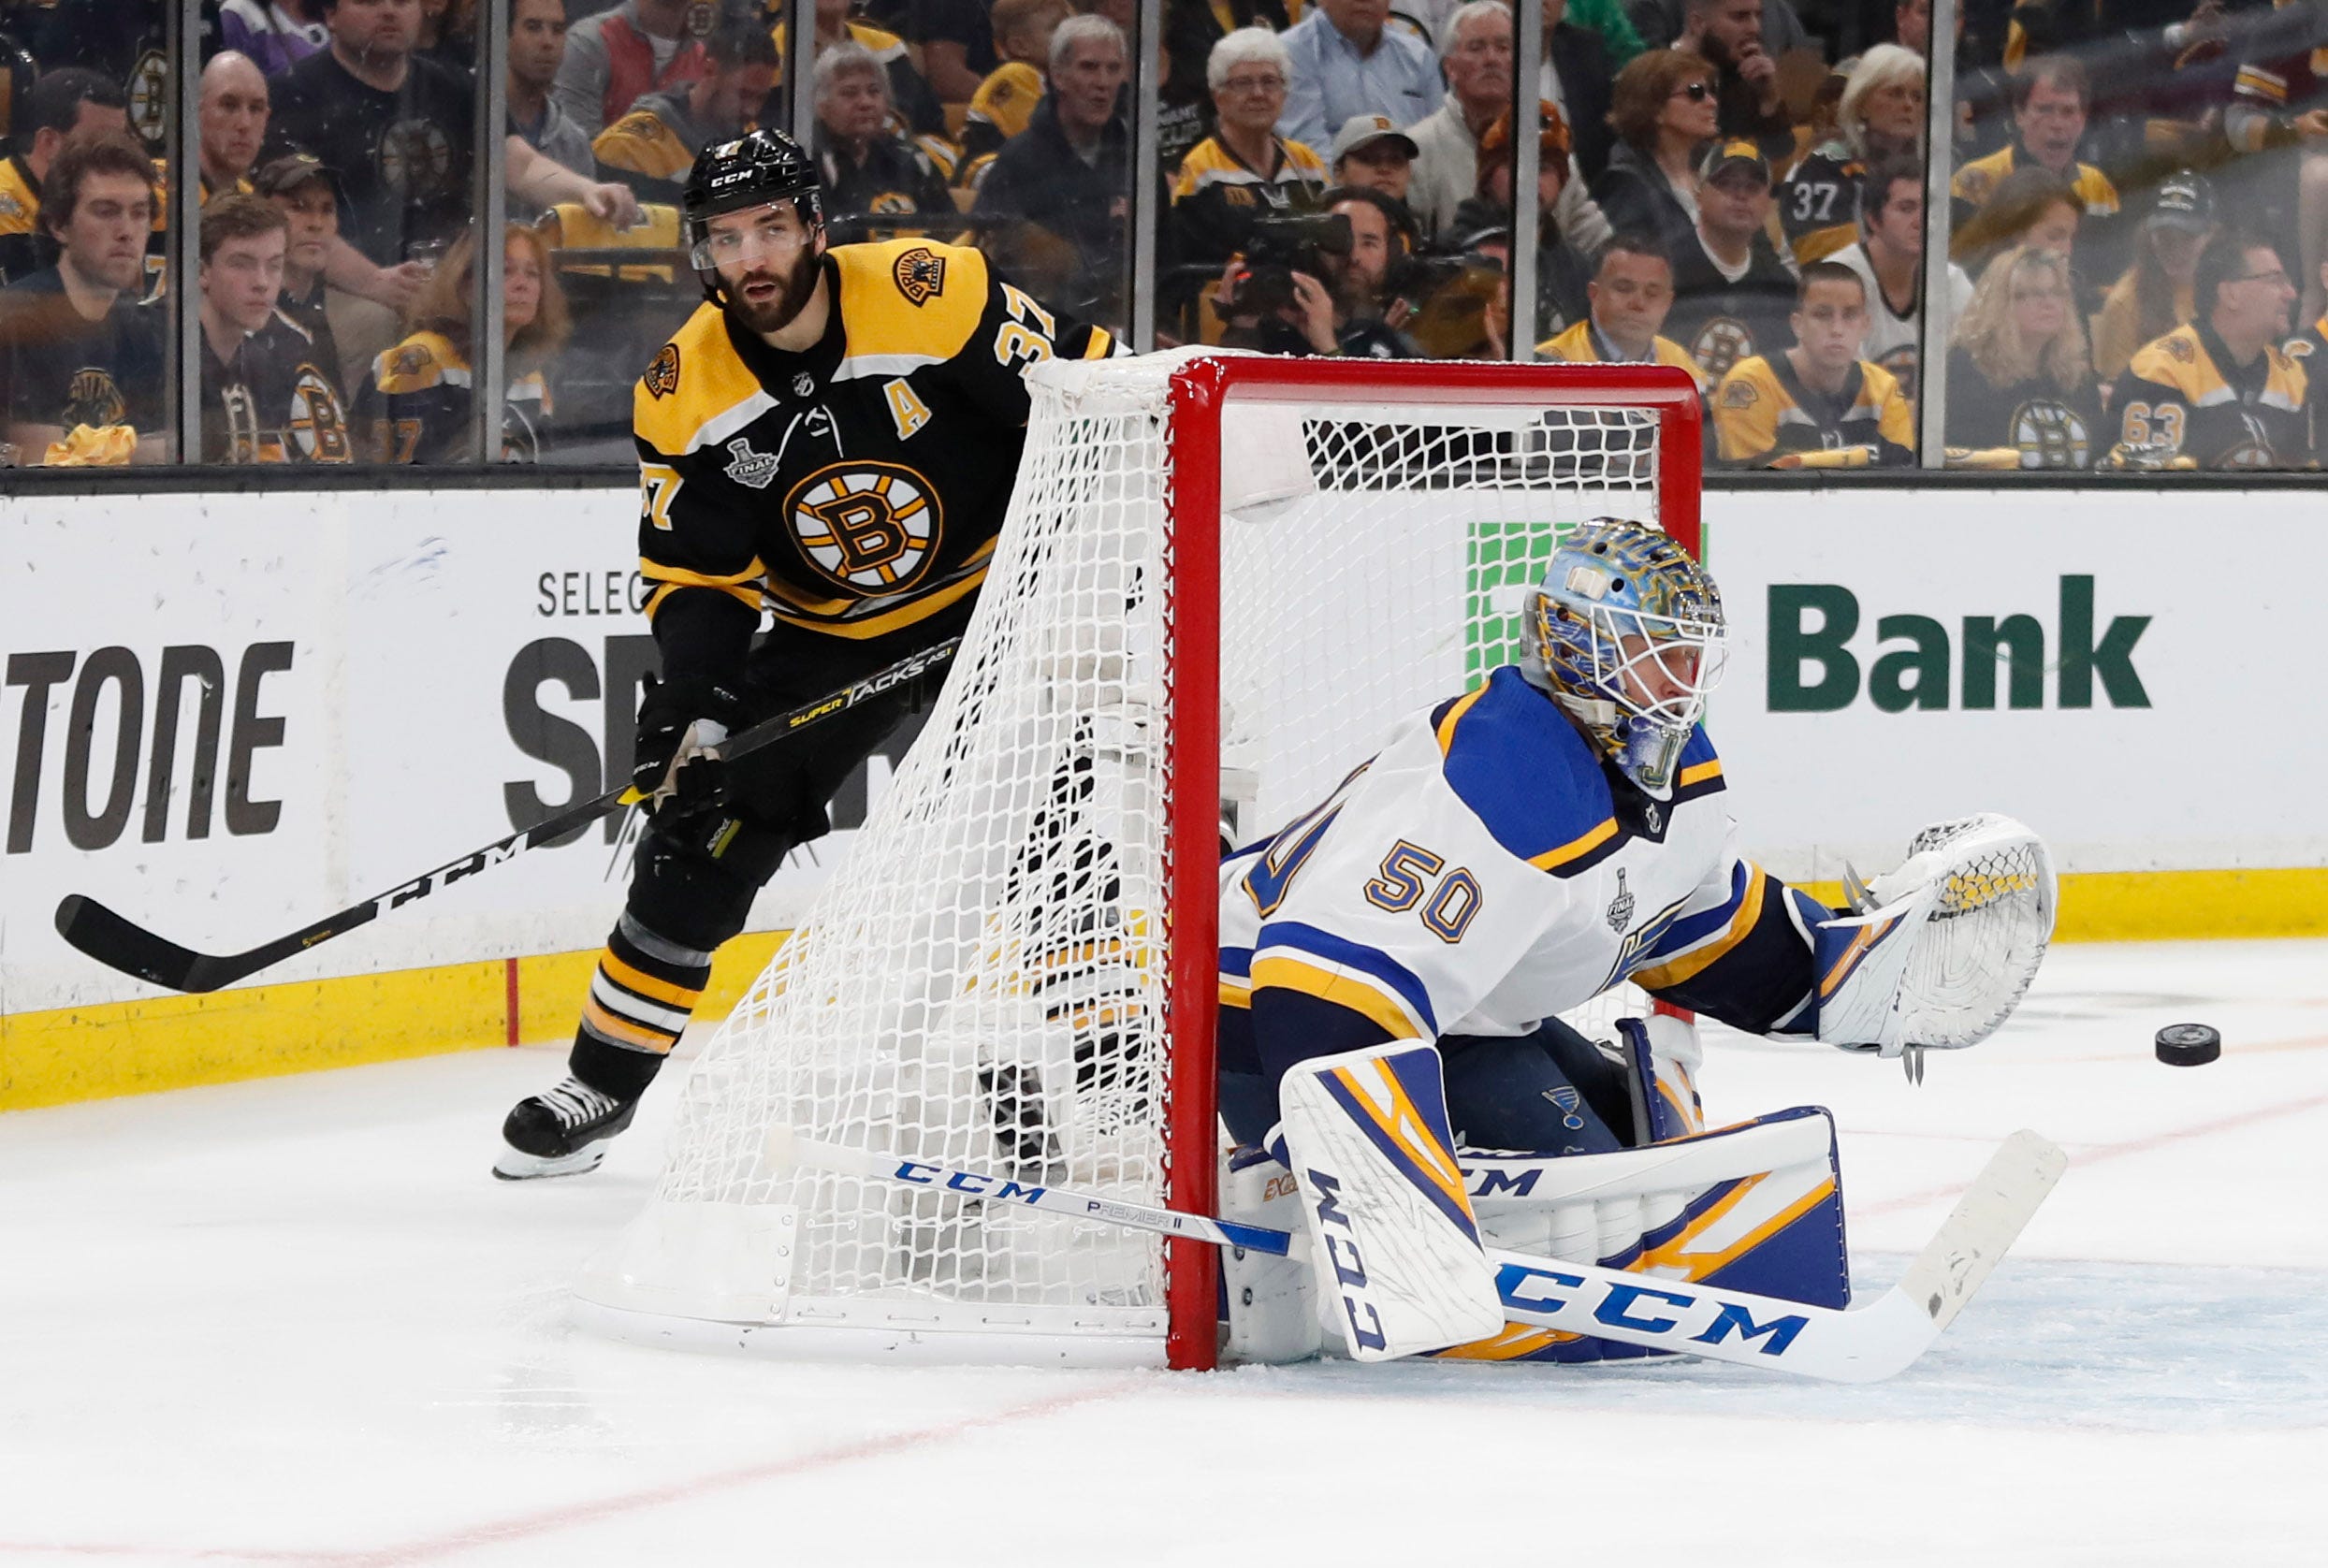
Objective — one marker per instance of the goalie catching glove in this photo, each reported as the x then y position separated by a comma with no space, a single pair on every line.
1939,950
677,765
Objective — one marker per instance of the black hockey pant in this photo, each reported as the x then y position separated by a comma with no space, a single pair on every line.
693,879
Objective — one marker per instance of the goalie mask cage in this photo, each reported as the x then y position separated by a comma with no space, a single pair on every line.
1222,579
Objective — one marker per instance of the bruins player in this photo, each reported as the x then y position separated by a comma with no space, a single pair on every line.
1818,404
833,437
2219,392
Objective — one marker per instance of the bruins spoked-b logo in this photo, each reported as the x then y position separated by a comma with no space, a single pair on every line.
872,528
416,158
2050,434
94,399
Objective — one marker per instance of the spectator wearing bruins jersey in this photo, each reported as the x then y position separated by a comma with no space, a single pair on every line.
264,396
915,109
1629,295
1243,169
1817,404
1880,115
2021,390
1006,100
2219,393
652,148
2049,98
833,438
62,105
2308,348
418,406
80,361
1732,293
870,171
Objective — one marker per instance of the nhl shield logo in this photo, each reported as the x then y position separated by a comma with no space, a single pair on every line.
1621,906
920,274
662,377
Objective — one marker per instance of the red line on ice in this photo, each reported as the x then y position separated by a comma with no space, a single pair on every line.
2095,1154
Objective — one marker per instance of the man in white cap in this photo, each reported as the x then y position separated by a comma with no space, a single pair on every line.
1371,153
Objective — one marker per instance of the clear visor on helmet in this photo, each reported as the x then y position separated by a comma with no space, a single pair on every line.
1659,668
772,233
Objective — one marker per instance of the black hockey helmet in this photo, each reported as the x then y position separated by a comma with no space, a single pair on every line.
756,169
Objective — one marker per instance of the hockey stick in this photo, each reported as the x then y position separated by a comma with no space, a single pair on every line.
1862,1344
121,944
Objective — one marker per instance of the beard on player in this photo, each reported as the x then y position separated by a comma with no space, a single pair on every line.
767,300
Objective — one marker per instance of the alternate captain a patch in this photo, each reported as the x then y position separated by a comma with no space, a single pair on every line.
873,528
662,376
920,274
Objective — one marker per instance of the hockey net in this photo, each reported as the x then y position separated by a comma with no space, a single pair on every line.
1222,579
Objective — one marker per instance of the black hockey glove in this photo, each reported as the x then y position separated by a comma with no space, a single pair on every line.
670,765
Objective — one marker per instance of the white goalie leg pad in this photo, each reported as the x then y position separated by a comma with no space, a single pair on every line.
1392,1233
1273,1301
1754,1207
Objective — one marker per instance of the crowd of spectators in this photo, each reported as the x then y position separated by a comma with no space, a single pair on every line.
1735,187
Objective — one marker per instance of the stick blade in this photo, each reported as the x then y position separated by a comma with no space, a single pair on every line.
119,944
1987,1219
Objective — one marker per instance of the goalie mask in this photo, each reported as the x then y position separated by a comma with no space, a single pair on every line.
1626,632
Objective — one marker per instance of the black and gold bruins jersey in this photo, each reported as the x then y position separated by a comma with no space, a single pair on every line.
1763,414
275,403
851,490
418,406
2182,397
1819,203
2310,350
1582,344
25,247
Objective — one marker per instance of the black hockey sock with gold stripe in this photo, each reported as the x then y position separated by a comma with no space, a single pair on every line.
640,1000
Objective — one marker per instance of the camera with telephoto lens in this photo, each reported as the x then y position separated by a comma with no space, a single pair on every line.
1280,245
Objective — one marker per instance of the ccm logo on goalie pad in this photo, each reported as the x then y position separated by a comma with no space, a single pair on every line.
1667,1307
1349,1270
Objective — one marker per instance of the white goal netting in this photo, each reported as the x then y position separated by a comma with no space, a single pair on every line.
988,981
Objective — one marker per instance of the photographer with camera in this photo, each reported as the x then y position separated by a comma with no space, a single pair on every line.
1325,283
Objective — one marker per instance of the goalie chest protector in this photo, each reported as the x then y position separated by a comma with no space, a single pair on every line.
1480,874
856,488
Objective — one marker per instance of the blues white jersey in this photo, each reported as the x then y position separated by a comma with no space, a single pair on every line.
1485,871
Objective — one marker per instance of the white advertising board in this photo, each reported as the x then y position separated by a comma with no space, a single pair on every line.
2158,707
228,716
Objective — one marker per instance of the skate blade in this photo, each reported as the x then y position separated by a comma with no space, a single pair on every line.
516,1164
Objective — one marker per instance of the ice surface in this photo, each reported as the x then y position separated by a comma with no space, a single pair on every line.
294,1321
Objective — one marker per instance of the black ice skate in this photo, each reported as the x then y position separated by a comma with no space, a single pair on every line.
561,1132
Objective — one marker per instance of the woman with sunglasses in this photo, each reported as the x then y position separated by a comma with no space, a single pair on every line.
1661,108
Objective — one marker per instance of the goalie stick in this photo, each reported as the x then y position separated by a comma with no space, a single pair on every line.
1860,1344
121,944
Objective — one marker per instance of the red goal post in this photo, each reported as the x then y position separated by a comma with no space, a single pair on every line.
1203,391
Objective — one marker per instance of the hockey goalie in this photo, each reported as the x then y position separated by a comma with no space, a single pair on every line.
1393,961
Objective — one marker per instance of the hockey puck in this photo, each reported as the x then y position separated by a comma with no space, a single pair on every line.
2189,1045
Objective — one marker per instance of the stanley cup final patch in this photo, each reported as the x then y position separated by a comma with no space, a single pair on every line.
1621,906
662,376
